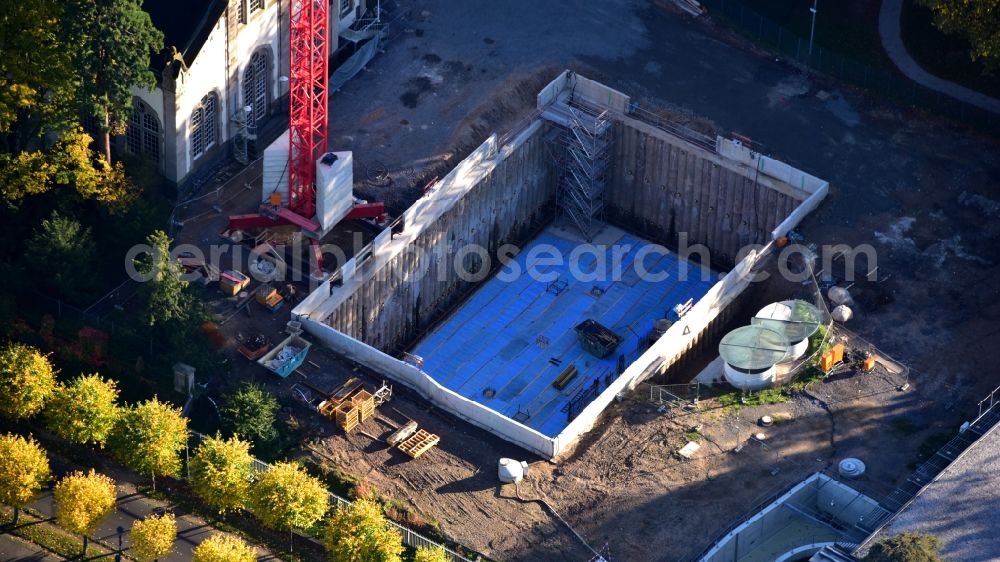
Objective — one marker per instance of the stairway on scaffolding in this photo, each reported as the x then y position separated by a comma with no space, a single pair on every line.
582,156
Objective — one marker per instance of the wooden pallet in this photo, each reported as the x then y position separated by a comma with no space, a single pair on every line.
566,376
419,443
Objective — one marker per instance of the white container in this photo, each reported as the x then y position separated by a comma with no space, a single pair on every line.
275,175
749,381
783,311
511,470
334,189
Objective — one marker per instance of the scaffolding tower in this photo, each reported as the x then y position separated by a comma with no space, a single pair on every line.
582,153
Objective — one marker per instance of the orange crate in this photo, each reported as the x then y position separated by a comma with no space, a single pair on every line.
838,353
826,362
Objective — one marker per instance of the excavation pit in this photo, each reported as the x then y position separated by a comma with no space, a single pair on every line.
431,306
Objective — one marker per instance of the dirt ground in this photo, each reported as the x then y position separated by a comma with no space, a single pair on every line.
922,192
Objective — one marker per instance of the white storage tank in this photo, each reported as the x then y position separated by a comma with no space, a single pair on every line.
750,354
511,471
797,320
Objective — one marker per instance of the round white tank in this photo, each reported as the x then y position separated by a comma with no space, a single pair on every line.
511,470
745,380
783,311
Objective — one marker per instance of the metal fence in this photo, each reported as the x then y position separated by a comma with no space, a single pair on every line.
410,538
889,83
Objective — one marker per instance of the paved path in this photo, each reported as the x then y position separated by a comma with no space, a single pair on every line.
14,549
892,41
132,506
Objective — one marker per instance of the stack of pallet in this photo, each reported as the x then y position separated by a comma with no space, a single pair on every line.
365,403
349,405
348,416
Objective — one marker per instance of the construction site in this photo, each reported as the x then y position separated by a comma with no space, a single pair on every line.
508,359
519,333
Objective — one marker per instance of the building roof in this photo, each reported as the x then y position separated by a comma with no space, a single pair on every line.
185,23
960,506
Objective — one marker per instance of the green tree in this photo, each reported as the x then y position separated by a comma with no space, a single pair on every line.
224,548
112,40
906,547
168,302
37,82
85,411
361,533
286,497
149,438
249,412
82,500
24,470
26,381
221,471
68,162
426,554
61,240
153,537
42,145
977,20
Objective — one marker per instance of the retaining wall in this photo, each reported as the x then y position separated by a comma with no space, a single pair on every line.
393,291
665,189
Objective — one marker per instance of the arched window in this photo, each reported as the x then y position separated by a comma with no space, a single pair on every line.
203,125
142,137
255,87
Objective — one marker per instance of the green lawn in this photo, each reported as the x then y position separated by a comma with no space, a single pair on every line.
945,56
848,27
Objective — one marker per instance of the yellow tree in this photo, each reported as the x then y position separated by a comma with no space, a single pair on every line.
286,497
978,21
85,411
153,537
361,533
220,473
82,500
426,554
26,381
149,438
24,470
224,548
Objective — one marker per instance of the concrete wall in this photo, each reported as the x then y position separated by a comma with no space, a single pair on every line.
664,189
491,200
401,372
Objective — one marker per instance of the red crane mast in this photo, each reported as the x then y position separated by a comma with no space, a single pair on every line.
307,135
307,101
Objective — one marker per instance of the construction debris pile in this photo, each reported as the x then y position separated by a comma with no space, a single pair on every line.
286,354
